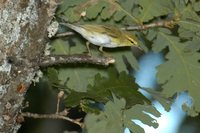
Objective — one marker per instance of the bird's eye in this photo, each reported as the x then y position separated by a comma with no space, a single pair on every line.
132,41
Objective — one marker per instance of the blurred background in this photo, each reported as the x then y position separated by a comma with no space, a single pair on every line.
42,99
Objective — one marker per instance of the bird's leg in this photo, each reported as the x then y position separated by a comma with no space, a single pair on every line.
103,52
101,49
88,48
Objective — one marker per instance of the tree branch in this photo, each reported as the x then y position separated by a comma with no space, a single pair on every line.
74,59
60,115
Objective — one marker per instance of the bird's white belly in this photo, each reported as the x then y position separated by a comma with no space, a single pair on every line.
97,39
102,40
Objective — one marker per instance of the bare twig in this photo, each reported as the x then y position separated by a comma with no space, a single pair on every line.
57,105
59,96
75,59
167,23
60,115
64,34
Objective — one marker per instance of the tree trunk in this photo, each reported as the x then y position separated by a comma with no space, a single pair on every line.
23,35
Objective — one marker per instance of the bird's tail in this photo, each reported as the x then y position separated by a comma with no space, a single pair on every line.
73,27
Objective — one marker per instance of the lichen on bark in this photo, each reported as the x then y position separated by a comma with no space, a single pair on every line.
23,25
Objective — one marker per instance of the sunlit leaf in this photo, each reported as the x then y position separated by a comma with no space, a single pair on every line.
115,118
181,71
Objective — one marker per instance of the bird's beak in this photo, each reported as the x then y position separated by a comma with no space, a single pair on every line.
140,48
137,47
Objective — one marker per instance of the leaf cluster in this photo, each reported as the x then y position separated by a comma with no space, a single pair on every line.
115,118
120,84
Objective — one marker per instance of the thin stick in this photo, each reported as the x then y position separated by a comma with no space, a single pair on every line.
59,96
167,23
57,105
64,34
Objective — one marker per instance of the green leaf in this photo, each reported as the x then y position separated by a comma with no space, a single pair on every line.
104,8
196,5
95,9
150,34
179,4
67,4
121,84
193,45
52,75
90,106
115,118
125,11
118,54
160,97
119,16
60,46
160,43
140,112
108,12
79,76
181,71
72,15
189,23
153,8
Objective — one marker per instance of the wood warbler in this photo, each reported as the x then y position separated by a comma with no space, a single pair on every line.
104,36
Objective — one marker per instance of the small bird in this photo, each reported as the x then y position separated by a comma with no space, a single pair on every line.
104,36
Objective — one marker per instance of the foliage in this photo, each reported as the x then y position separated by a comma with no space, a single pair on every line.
115,117
88,85
106,8
188,66
121,84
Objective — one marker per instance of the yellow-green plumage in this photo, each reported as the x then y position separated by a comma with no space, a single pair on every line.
105,36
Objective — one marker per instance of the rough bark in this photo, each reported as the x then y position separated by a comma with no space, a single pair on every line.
23,25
